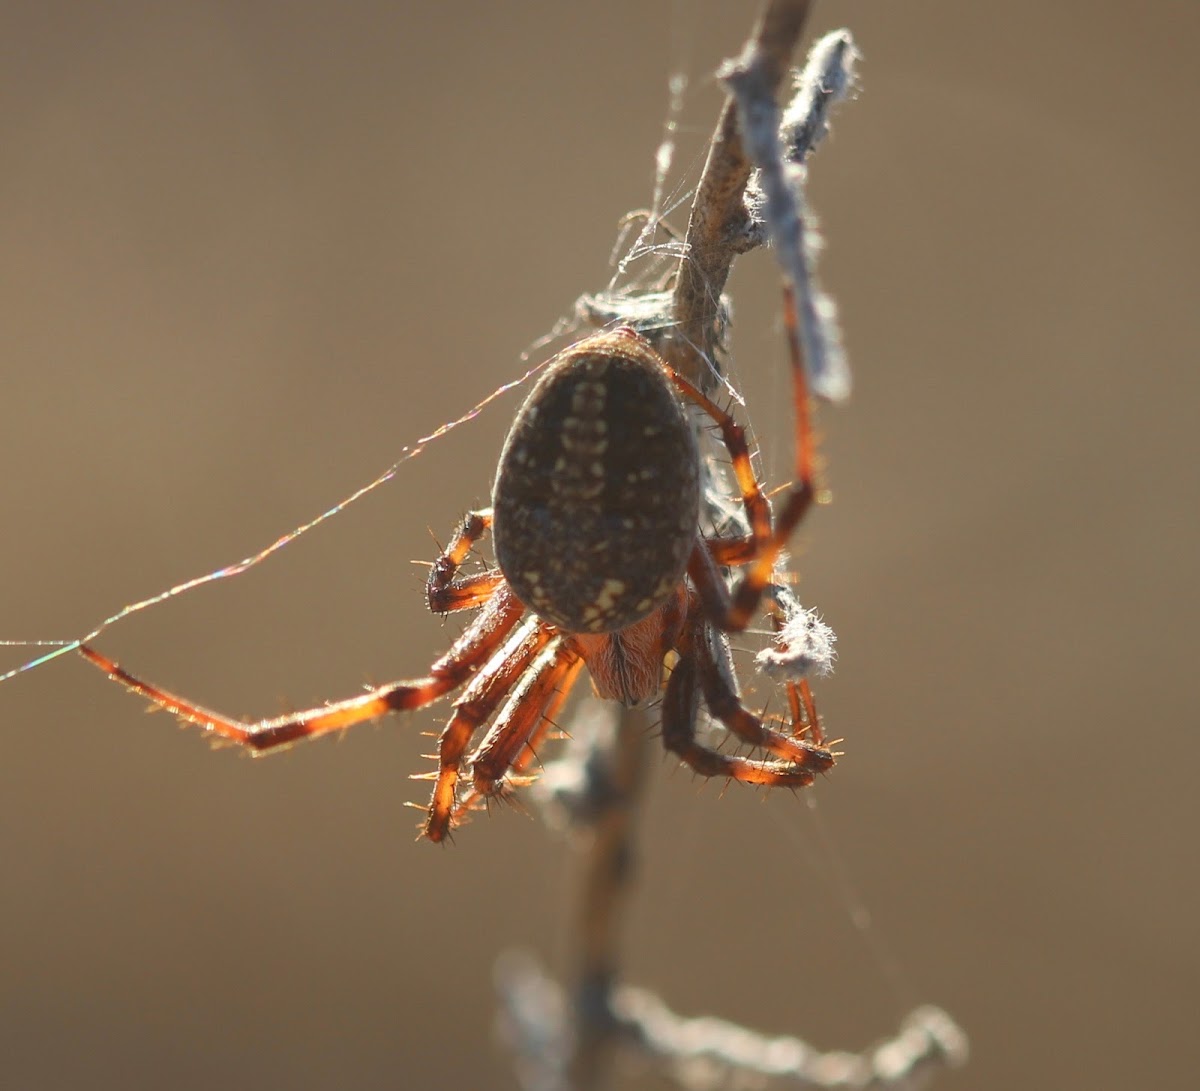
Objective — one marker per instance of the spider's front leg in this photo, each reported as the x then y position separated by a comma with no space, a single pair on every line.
535,668
732,610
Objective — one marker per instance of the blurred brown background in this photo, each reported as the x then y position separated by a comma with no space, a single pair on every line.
247,252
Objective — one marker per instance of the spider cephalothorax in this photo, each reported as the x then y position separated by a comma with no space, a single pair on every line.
601,562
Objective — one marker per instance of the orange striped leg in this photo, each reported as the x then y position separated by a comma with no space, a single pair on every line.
549,723
807,721
733,435
749,590
724,703
732,551
476,703
529,754
679,712
475,645
556,666
732,610
445,590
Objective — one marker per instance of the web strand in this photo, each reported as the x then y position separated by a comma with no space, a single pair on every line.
63,647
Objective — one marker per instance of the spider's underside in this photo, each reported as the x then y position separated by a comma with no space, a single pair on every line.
595,515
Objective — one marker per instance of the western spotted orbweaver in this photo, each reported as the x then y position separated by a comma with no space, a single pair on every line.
595,515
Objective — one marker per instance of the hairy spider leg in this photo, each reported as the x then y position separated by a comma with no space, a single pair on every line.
732,610
551,674
445,590
680,709
715,667
501,612
472,709
448,591
449,672
733,436
549,721
801,492
730,551
810,722
529,751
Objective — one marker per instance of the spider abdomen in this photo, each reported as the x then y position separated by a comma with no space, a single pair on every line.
597,494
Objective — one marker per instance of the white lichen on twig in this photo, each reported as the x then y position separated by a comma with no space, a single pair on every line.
803,645
777,142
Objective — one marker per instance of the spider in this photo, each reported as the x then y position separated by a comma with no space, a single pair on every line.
600,562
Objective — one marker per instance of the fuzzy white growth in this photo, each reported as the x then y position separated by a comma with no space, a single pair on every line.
777,143
803,646
828,76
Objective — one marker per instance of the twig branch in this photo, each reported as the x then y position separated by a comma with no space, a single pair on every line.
705,1054
753,80
751,192
720,221
593,792
604,897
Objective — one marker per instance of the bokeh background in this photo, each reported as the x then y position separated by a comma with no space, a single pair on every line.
248,252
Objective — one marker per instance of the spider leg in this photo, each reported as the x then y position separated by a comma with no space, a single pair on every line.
554,669
800,693
472,708
800,494
732,610
732,550
733,435
529,751
473,647
549,721
718,603
679,713
715,668
445,590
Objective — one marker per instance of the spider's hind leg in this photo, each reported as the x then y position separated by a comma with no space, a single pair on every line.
715,669
680,710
